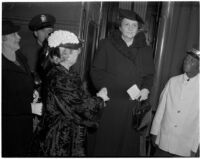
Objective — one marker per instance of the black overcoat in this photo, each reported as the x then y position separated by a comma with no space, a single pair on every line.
118,67
17,95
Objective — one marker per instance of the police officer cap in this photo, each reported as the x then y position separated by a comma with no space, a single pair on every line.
194,53
124,13
42,21
9,27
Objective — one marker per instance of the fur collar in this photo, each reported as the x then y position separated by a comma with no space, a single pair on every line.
131,51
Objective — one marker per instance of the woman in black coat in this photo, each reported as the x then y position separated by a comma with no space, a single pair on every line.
122,61
17,95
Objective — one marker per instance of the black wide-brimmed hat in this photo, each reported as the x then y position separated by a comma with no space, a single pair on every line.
124,13
9,27
41,21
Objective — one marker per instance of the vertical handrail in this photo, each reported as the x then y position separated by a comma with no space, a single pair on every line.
167,9
82,36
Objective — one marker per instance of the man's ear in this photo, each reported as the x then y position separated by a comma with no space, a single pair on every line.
120,28
35,33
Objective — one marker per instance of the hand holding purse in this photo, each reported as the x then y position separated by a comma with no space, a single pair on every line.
142,117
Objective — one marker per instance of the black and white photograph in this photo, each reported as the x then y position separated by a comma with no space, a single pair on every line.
114,79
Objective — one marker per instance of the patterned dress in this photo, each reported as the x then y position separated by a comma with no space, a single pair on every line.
69,110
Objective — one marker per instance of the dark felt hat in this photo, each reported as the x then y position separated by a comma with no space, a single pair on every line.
42,21
124,13
9,27
194,52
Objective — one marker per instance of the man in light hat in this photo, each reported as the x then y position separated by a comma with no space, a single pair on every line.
175,127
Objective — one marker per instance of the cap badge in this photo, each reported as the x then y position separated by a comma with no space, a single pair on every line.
43,18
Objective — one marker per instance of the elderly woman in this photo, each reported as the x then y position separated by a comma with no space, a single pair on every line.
17,95
69,109
124,65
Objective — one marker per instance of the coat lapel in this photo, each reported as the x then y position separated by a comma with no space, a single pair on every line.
131,51
11,66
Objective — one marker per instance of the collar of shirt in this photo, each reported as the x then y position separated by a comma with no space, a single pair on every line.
187,79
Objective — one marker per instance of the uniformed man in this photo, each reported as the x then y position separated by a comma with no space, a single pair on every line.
42,26
176,123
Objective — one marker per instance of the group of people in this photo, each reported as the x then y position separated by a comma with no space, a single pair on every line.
122,73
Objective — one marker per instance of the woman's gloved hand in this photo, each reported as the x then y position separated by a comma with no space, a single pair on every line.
36,96
103,93
36,108
144,94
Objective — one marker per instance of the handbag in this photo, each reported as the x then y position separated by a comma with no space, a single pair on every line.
142,115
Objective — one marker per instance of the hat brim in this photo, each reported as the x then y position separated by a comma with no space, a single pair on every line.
130,15
193,55
72,46
14,29
42,26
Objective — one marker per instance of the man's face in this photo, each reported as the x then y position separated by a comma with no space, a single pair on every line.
43,34
190,64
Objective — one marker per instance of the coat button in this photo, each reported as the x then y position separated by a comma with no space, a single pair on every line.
175,126
178,111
